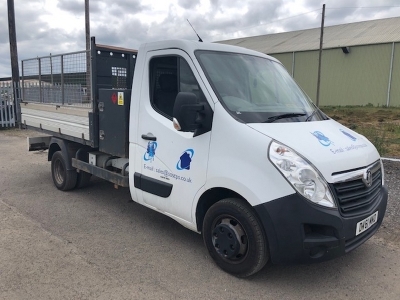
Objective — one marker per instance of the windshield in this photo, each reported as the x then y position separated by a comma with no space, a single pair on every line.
255,89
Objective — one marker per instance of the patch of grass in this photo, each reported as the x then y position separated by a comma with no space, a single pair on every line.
376,136
392,127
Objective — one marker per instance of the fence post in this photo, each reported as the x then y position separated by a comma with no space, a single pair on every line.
62,80
2,95
23,85
51,69
40,81
390,77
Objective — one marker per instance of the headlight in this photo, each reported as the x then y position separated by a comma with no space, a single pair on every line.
383,173
301,175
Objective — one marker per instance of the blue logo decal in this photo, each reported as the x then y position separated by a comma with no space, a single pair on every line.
185,160
151,151
325,141
348,135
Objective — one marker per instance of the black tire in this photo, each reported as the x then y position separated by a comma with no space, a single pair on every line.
63,179
82,179
234,237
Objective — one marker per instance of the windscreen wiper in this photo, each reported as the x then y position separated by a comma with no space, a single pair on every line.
310,116
284,116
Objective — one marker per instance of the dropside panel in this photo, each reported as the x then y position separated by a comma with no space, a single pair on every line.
62,121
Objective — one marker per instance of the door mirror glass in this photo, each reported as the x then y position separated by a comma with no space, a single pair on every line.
189,115
185,111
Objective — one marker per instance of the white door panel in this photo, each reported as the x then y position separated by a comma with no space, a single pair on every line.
173,158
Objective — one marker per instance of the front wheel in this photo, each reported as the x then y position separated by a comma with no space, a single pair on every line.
63,179
234,237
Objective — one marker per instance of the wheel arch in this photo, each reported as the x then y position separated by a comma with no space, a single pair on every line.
67,148
210,197
53,148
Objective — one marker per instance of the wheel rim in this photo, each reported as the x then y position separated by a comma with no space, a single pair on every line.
229,239
59,172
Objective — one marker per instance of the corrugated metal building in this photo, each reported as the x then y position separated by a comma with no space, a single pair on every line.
360,61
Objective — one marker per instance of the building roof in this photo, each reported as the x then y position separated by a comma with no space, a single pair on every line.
345,35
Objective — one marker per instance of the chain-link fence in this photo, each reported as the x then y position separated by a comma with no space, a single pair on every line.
57,79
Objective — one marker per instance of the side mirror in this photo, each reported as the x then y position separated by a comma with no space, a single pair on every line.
189,115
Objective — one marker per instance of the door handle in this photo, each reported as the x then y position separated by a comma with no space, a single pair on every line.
149,137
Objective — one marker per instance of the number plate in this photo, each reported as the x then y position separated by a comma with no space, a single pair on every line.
366,223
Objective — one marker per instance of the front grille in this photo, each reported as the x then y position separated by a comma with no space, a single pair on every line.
354,197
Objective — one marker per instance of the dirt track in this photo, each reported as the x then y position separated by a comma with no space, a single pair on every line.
95,243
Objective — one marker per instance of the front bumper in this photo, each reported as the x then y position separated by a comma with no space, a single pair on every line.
301,232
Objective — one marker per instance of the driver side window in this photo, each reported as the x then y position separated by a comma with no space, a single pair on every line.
170,75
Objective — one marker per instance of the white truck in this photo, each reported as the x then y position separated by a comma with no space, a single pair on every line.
219,138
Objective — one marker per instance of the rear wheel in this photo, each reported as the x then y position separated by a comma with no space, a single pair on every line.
63,179
234,237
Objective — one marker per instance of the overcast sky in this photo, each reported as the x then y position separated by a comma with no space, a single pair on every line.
58,26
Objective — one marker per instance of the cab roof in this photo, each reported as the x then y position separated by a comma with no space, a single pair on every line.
191,46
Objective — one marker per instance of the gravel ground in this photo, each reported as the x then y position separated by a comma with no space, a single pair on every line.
391,224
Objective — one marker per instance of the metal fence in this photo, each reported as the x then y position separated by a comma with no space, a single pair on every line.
57,79
7,105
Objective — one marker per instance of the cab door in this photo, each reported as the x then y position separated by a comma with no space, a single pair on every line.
173,163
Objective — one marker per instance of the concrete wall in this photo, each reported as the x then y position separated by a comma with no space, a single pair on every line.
360,77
